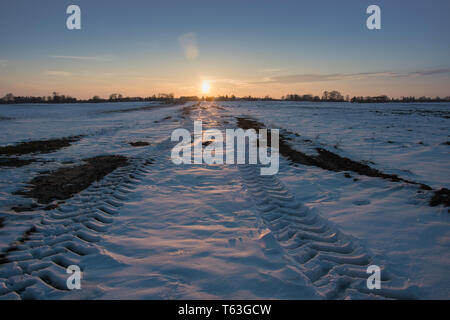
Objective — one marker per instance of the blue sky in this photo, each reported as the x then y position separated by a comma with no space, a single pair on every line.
256,47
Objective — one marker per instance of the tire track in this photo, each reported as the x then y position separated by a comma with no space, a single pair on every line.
34,267
334,262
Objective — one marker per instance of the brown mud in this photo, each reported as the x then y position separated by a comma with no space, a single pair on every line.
63,183
441,196
14,162
38,146
139,143
15,246
144,108
331,161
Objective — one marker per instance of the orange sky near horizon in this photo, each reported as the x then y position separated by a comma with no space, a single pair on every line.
86,85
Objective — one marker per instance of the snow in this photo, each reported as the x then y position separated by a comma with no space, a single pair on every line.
155,230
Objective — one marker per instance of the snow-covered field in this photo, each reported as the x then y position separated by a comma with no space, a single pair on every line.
155,230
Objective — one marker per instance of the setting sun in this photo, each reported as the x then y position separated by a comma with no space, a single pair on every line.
205,86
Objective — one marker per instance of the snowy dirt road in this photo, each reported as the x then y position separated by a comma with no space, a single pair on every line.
155,230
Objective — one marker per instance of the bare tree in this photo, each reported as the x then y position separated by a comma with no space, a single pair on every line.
8,97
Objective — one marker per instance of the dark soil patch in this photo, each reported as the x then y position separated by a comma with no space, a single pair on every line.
39,146
144,108
206,143
325,159
425,187
446,143
139,144
24,208
63,183
424,113
34,206
14,162
50,207
5,118
3,258
15,246
1,222
441,197
186,111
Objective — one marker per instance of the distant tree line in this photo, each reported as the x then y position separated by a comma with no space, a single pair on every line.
384,98
332,96
57,98
336,96
328,96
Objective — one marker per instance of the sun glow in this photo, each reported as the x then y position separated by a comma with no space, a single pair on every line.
205,86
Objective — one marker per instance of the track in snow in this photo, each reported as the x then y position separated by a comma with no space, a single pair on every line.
35,266
335,263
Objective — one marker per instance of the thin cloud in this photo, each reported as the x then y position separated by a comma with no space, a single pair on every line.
273,70
77,57
297,78
58,73
303,78
433,72
228,81
188,43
